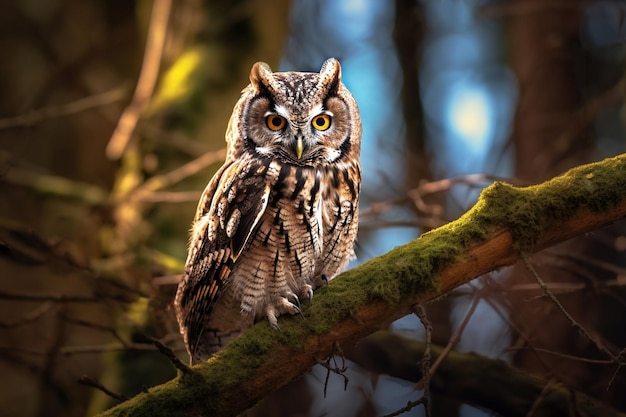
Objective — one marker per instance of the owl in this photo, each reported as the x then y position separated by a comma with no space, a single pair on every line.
279,218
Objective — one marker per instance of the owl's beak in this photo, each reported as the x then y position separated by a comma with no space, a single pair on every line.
299,146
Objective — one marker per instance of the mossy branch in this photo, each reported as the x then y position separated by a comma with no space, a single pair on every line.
505,222
485,383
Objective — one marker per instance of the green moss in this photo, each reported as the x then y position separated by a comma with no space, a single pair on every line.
334,303
528,212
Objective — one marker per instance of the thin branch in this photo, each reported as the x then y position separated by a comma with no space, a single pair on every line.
621,356
81,350
166,280
456,336
37,116
56,186
59,298
171,197
426,358
108,329
169,354
599,345
408,407
160,182
28,317
479,180
416,197
542,396
502,389
339,370
568,316
146,82
85,380
179,141
564,355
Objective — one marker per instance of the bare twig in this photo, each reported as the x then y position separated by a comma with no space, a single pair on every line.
599,345
80,350
107,329
160,182
410,405
146,82
426,358
456,336
510,323
471,180
621,356
28,317
166,280
169,354
416,196
565,313
171,197
56,186
37,116
574,408
179,141
85,380
557,286
59,298
564,355
542,395
339,370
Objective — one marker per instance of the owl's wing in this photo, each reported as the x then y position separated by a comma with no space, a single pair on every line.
228,213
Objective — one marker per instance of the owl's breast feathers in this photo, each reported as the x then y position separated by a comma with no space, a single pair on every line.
261,222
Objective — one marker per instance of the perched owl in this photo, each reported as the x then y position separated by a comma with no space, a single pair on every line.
279,218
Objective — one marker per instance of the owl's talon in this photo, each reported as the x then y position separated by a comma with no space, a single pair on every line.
310,295
298,310
291,308
325,279
294,300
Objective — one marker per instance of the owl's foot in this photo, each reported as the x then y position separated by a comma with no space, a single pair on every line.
283,306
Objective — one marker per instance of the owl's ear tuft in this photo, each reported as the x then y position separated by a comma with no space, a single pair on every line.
261,76
330,75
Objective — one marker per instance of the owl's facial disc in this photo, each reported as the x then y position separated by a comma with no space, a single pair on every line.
295,138
299,118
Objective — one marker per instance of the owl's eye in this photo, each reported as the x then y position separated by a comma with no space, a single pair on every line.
321,122
275,122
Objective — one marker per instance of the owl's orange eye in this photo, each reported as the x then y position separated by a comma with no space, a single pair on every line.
321,122
275,122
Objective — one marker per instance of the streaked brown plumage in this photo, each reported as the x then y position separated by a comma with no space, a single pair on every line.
280,216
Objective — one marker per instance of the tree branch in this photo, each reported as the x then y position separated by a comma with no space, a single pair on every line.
486,383
505,222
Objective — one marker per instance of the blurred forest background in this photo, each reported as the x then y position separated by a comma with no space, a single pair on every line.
112,121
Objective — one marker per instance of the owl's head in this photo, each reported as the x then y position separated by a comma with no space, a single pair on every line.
300,118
